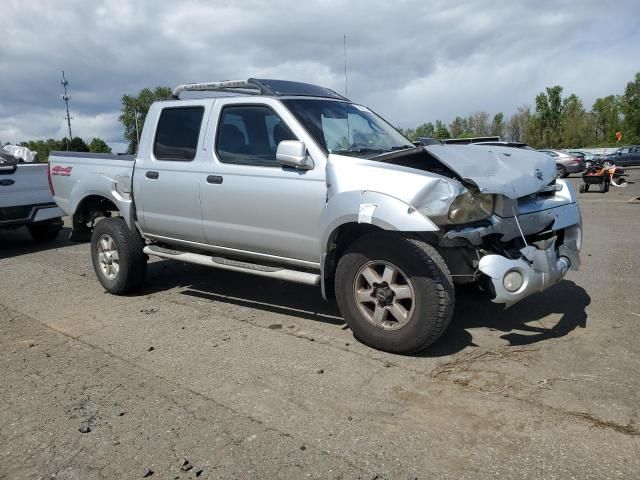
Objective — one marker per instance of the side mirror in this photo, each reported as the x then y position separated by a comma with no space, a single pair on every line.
293,153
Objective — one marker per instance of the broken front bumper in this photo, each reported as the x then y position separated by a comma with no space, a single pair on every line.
540,266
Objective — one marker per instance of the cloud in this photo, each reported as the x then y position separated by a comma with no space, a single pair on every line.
412,61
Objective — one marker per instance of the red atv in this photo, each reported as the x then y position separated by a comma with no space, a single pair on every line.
603,174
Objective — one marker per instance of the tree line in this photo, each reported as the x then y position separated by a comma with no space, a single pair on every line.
555,121
76,144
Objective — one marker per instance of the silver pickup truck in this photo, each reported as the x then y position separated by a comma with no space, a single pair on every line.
294,182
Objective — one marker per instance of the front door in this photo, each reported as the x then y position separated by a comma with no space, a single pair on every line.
249,201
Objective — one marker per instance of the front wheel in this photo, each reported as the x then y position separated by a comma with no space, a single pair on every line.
395,292
117,256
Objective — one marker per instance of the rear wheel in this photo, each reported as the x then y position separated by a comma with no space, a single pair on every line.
117,256
45,231
604,186
561,171
395,292
583,188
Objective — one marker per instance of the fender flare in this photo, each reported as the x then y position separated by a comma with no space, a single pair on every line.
368,207
102,186
375,208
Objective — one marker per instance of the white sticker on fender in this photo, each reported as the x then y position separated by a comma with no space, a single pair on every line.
366,212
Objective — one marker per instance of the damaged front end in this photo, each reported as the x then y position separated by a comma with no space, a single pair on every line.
497,216
525,246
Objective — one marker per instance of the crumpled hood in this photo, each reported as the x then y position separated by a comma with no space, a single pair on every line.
508,171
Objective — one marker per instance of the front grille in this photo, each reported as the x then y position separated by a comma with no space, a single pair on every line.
547,192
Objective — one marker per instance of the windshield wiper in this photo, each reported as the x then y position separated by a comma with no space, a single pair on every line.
358,151
402,147
396,149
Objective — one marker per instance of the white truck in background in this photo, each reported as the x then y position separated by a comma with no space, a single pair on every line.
26,199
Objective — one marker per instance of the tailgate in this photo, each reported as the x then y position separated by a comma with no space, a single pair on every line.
22,187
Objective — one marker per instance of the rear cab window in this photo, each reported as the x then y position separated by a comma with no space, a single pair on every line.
177,133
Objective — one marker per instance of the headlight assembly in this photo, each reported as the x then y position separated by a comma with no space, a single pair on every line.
471,206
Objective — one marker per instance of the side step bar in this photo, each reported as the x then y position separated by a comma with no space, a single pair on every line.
235,265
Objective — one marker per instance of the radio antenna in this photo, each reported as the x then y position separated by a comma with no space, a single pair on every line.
344,48
66,99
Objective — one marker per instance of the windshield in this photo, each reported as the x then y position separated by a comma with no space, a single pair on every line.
346,128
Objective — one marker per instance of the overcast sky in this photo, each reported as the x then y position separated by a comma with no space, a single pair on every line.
411,61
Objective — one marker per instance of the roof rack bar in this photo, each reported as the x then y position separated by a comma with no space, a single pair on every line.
233,86
255,86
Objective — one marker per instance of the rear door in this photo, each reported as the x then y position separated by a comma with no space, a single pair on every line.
166,178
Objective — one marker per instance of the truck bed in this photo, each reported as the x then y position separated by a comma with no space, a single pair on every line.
76,174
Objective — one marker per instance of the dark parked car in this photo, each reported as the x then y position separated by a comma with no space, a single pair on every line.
589,158
625,156
566,163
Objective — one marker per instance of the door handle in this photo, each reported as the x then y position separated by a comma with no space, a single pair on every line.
215,179
152,175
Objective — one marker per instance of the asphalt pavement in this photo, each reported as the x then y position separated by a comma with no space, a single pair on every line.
214,374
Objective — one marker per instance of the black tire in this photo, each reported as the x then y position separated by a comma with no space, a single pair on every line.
45,231
132,262
426,273
586,187
561,171
582,188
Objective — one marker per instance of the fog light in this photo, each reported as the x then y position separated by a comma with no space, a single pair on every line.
512,281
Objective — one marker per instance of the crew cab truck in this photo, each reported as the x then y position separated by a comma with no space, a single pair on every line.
294,182
25,199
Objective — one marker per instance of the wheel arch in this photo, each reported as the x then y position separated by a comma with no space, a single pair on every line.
351,215
96,205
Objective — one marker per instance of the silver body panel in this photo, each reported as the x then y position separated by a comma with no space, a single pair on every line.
287,216
269,210
86,175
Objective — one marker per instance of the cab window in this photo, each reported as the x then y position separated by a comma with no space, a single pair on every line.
177,133
249,135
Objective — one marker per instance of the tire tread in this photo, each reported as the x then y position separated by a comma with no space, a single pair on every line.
435,269
130,246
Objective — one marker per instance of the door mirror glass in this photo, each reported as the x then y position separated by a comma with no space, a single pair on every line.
293,153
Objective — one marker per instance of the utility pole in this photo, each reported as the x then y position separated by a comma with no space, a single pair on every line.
66,99
135,112
344,49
